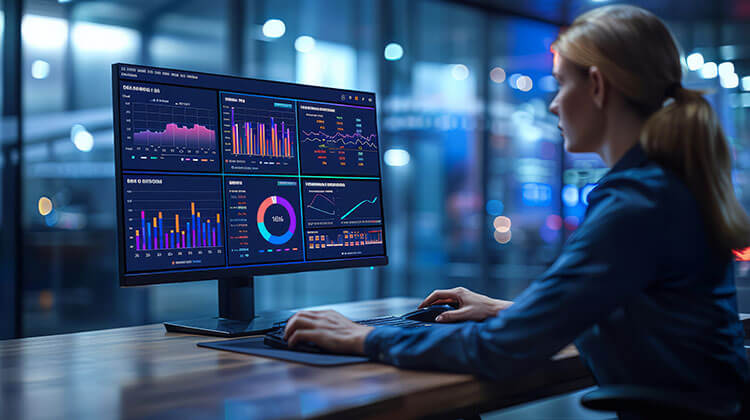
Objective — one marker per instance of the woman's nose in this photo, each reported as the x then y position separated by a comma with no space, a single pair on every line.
553,107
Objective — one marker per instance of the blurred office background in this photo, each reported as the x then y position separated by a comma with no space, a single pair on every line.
478,190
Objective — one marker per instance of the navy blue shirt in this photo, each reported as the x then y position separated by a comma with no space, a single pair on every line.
637,287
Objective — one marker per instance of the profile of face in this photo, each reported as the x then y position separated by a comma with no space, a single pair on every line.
579,105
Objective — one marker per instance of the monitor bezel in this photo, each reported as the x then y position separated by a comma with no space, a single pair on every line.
223,272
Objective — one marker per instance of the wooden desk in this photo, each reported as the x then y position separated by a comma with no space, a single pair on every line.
145,372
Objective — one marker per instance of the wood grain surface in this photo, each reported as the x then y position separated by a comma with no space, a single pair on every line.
146,373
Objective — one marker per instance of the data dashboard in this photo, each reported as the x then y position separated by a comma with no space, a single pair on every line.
218,171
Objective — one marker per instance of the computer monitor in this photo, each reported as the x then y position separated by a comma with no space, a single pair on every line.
222,177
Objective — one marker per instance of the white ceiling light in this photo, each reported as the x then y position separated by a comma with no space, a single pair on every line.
393,52
304,44
726,68
709,70
274,28
695,61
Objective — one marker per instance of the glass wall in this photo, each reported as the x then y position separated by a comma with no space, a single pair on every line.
478,191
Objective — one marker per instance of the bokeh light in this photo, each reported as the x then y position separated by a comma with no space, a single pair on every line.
460,72
304,44
501,223
495,207
524,83
502,237
497,75
396,157
274,28
393,52
45,205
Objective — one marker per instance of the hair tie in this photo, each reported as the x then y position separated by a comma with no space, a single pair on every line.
672,90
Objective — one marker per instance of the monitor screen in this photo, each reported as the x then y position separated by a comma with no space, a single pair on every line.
221,176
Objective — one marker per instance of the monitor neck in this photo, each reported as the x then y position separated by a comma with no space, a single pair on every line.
237,298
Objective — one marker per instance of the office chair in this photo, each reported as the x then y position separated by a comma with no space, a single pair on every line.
641,402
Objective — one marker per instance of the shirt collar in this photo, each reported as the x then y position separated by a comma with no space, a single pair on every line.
632,158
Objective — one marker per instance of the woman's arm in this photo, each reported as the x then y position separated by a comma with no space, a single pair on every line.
612,257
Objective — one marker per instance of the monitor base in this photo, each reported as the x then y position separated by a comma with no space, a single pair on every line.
223,327
236,313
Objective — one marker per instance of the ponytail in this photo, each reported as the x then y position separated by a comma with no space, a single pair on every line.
686,137
639,57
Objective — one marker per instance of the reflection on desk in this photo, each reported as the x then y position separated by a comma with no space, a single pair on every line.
144,372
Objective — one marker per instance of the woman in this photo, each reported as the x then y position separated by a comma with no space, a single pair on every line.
645,286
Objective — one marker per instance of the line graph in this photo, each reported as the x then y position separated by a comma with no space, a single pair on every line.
353,141
338,140
357,206
314,204
341,202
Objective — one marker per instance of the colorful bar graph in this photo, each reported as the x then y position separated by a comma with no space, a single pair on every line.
195,234
257,139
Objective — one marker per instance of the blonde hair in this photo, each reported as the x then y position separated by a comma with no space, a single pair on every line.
638,56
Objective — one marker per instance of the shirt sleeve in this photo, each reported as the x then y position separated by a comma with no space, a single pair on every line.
612,257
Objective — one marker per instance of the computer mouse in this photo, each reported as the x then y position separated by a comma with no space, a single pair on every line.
427,314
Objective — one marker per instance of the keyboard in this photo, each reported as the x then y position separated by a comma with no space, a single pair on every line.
275,337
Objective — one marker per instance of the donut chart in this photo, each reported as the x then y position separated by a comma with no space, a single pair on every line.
276,239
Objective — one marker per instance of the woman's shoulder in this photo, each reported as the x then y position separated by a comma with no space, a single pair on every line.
646,186
647,176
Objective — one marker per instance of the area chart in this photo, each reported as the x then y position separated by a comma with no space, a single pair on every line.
168,128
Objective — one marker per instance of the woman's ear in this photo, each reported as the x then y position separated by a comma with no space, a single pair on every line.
597,84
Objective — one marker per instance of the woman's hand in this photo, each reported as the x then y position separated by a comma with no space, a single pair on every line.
327,329
471,306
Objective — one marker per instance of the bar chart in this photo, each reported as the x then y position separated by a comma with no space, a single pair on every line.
251,139
259,134
198,234
173,221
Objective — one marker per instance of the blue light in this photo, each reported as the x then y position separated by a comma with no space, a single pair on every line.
570,195
494,207
585,193
393,52
536,194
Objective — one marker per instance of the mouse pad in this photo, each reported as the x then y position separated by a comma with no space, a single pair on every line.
255,346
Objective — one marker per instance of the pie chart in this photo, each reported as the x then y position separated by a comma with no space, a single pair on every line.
264,206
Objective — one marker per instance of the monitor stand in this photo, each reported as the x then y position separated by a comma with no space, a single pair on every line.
237,315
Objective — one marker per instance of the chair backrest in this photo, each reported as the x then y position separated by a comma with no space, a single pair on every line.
656,402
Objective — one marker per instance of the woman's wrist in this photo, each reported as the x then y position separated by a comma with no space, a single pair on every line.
360,337
499,305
